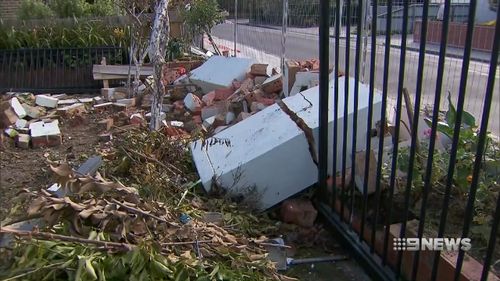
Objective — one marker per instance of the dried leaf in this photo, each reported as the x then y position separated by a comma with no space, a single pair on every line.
63,170
36,205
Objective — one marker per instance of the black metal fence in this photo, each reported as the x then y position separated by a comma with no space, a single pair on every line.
55,70
420,200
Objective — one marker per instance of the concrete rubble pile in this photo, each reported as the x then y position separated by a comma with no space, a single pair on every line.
33,121
281,135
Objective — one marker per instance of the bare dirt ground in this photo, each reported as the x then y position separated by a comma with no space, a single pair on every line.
29,168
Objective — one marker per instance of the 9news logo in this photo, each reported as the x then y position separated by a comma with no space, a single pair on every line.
432,244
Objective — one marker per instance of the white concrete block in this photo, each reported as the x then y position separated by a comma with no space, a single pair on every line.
269,153
192,102
85,100
41,128
21,123
304,79
46,101
18,108
219,72
207,123
67,102
230,117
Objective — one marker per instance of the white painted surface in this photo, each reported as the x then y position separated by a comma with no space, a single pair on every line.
21,123
219,72
41,128
304,79
270,153
46,101
18,108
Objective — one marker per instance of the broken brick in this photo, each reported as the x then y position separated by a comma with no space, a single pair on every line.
137,119
193,103
273,84
223,93
209,111
72,110
247,85
174,132
209,98
293,67
46,101
259,69
106,124
300,212
23,141
254,96
7,115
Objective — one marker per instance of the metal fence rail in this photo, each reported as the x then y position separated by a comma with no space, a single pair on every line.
437,172
55,70
420,188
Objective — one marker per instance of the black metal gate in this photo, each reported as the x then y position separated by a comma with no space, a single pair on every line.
441,186
55,70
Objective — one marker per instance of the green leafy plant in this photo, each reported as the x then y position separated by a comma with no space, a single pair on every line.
34,9
202,15
70,8
488,181
75,35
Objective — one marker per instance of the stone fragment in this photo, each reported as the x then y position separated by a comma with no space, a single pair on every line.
259,69
17,107
46,101
23,141
300,212
273,84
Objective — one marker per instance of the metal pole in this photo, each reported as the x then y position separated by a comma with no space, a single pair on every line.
284,68
324,64
235,25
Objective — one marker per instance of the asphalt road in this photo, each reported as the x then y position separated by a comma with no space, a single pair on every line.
303,46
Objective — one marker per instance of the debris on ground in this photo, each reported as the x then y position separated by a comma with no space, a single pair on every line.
137,208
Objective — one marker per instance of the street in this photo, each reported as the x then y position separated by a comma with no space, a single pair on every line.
302,46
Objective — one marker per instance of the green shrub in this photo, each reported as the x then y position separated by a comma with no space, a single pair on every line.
34,9
69,8
75,35
102,8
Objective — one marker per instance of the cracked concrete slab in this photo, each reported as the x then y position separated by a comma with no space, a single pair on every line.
270,156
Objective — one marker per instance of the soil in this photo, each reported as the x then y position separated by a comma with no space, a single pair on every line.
29,168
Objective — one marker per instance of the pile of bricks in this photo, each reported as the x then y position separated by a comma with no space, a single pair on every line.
32,120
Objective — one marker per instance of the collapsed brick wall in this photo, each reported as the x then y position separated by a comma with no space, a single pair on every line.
8,8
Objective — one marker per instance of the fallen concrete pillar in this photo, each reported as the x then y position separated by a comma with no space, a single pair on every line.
219,72
271,155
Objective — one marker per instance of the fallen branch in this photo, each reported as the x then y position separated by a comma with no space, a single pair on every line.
169,167
186,243
52,236
141,212
33,271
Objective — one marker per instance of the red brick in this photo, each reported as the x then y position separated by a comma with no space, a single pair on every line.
46,141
